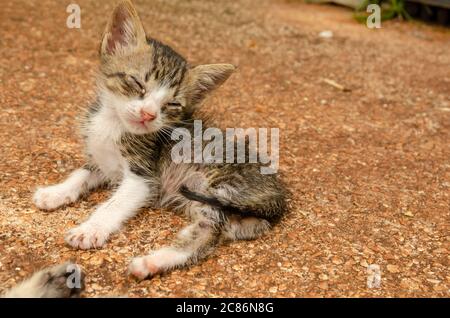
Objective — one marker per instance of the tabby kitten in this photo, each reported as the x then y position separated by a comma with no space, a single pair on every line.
145,90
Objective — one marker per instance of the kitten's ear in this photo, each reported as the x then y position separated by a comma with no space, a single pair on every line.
205,78
124,31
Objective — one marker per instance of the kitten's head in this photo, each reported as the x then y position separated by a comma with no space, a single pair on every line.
147,83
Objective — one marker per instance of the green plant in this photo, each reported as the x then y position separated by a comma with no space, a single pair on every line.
390,9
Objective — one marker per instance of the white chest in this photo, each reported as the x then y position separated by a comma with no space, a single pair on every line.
103,133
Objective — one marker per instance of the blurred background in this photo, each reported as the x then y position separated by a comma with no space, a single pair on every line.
432,11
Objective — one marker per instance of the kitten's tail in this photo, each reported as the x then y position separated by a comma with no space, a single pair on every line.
270,211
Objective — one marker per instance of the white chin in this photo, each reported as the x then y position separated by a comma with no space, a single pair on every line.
141,129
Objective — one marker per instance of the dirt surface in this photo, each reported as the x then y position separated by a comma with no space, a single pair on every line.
368,168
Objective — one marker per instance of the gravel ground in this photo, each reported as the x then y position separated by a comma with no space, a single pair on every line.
368,168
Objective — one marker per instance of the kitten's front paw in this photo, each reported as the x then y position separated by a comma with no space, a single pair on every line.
87,236
52,197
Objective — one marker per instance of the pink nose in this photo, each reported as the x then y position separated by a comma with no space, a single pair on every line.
147,116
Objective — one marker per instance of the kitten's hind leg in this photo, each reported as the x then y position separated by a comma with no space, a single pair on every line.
78,183
245,228
194,243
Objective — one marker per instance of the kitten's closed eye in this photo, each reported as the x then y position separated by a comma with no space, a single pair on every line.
130,84
134,84
173,106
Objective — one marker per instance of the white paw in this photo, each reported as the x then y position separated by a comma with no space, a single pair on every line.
52,197
157,262
143,267
87,236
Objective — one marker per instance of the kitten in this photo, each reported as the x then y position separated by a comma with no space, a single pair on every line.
145,90
50,282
